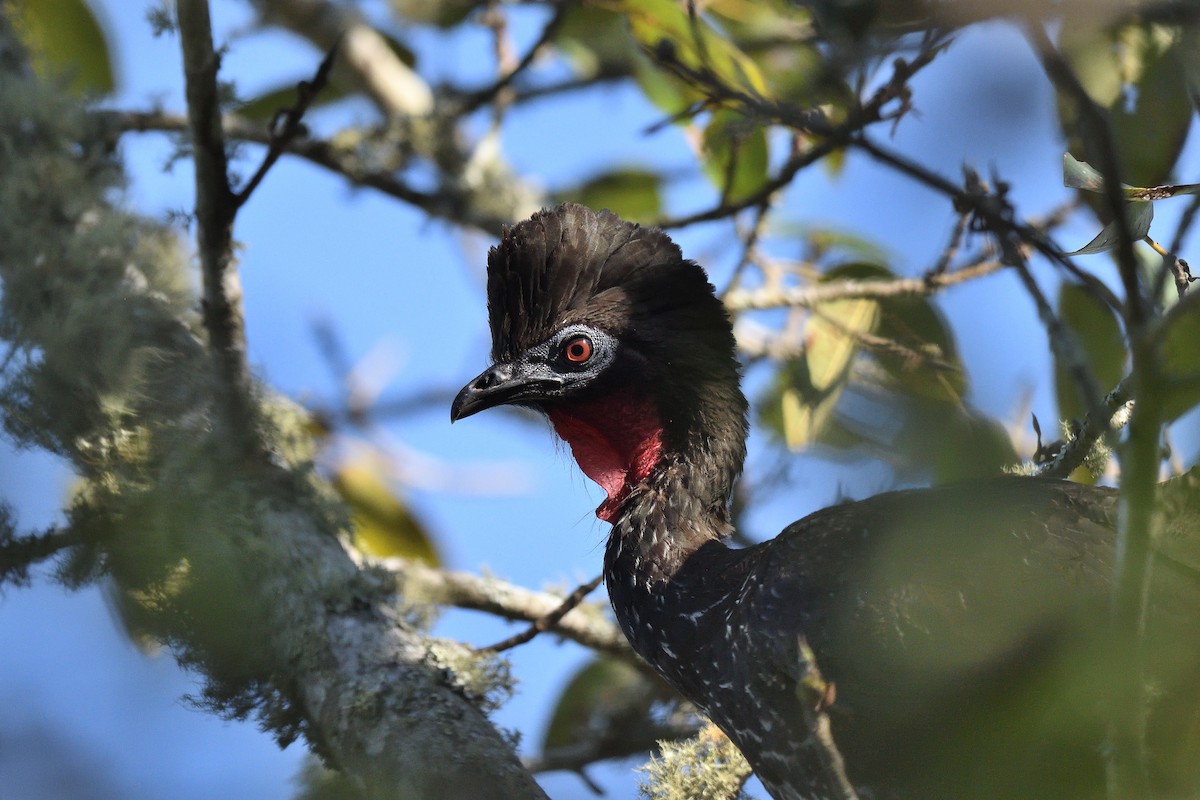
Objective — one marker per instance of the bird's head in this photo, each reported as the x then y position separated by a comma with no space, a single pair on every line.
603,326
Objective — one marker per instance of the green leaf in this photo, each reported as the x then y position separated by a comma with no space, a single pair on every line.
1137,73
696,44
1081,175
1098,333
1138,216
384,526
439,13
807,390
264,106
1181,364
633,193
595,41
929,367
734,155
65,38
969,445
602,701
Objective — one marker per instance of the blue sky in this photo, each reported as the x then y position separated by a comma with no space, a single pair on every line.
79,701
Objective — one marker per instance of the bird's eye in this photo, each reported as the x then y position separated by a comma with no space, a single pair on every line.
578,350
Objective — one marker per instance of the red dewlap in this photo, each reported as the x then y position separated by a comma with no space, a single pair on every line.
616,441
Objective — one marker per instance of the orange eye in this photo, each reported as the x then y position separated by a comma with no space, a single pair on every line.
578,350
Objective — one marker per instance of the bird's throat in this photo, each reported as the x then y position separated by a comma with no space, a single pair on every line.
616,441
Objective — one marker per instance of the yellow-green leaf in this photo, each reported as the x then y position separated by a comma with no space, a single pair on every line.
1137,73
630,192
734,155
1138,217
693,41
65,38
384,526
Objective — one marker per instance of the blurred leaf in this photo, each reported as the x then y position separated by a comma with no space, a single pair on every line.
1136,72
734,154
383,525
780,39
918,325
1098,332
806,391
1150,135
660,25
601,701
634,194
1189,54
664,91
264,106
65,38
595,40
1181,364
968,445
439,13
1138,216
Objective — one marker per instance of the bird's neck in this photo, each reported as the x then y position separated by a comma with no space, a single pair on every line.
668,484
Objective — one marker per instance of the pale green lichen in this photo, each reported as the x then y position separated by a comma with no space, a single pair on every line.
706,767
484,677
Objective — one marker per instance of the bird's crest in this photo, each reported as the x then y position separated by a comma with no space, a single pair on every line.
571,263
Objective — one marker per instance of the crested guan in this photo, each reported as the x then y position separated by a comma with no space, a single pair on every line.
964,628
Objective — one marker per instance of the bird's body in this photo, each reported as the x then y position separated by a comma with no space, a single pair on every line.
963,628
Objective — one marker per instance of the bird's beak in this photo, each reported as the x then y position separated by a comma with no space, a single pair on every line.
501,384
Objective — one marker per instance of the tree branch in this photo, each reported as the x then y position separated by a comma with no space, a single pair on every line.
809,296
447,203
18,554
287,124
482,97
583,624
216,207
547,621
270,609
1111,415
374,67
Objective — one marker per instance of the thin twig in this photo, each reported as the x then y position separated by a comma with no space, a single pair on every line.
215,210
585,625
950,251
287,124
809,296
547,621
800,119
818,693
996,217
749,241
482,97
445,203
371,64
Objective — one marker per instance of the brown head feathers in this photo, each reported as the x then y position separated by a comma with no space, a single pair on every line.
572,264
